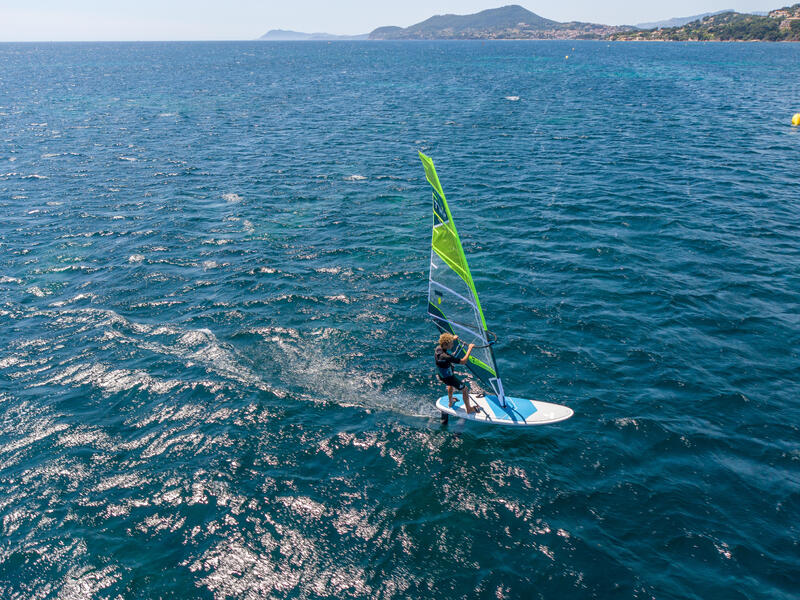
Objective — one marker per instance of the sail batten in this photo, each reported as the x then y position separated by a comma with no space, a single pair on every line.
453,302
460,327
448,290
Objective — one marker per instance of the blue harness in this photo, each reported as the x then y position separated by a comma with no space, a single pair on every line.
444,373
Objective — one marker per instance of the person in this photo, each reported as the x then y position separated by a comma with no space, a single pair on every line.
444,366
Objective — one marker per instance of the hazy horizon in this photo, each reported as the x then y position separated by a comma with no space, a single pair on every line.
181,20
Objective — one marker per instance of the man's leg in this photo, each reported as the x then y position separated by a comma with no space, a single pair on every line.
450,395
467,406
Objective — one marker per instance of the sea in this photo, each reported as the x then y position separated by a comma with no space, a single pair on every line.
216,370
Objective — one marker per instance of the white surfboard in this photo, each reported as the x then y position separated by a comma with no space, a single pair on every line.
517,412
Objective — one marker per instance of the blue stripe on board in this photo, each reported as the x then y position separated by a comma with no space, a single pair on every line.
516,409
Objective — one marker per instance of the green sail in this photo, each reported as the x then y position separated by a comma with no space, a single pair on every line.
453,302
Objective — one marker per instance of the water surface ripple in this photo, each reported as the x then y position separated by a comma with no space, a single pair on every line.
215,374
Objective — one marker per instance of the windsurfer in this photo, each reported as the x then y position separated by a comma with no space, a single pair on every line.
444,367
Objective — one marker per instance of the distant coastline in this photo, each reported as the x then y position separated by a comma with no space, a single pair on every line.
515,22
284,35
780,25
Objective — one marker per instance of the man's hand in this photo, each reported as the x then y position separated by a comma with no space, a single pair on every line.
463,361
467,354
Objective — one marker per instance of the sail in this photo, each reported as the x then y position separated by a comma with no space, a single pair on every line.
453,302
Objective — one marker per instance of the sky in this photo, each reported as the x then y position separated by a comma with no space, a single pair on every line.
109,20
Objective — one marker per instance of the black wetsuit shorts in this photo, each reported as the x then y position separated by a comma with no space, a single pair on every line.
454,381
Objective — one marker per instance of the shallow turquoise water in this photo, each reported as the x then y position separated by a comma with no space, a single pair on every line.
215,371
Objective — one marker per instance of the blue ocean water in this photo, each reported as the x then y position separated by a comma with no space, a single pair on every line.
216,377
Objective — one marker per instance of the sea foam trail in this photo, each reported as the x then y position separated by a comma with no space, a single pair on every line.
334,378
110,329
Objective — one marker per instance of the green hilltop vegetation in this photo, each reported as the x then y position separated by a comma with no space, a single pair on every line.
497,19
781,25
507,22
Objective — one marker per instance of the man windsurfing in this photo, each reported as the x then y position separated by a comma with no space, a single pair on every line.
444,368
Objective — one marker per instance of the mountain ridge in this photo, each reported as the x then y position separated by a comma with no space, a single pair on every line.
680,21
506,22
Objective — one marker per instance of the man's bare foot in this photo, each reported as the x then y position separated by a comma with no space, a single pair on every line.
452,401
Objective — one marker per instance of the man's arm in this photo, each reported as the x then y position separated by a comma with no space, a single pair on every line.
464,360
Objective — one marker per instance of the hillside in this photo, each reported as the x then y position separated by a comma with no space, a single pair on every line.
778,25
507,22
679,21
